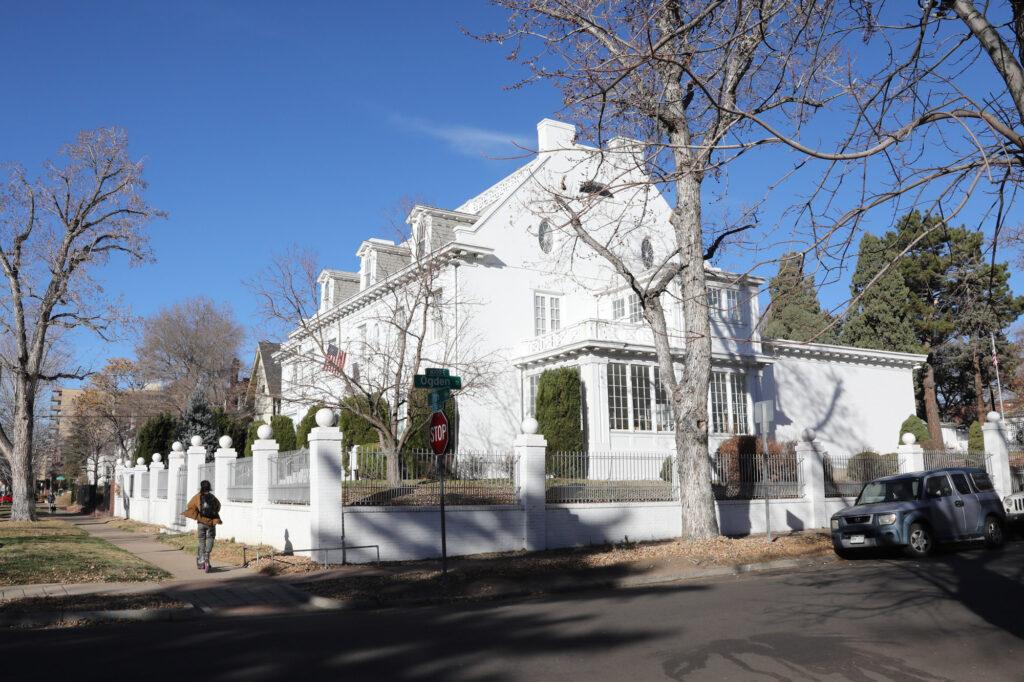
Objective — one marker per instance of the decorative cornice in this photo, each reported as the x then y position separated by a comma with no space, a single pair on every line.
830,353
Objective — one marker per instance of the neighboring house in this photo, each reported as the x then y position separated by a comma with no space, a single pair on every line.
264,386
954,437
536,302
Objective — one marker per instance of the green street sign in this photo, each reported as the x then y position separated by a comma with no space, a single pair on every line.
436,381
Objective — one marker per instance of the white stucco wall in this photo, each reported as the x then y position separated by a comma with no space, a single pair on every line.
852,406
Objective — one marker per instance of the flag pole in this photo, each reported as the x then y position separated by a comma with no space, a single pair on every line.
999,383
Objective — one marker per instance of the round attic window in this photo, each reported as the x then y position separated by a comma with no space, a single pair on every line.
646,253
544,236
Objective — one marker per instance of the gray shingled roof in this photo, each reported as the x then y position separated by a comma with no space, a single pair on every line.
271,368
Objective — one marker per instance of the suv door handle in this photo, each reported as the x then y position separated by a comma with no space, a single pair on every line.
958,503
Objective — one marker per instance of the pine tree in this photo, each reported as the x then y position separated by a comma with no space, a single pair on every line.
795,312
881,318
199,421
156,435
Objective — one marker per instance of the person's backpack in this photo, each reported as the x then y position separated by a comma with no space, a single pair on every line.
207,507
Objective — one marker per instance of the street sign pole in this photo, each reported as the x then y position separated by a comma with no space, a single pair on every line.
439,444
444,531
764,414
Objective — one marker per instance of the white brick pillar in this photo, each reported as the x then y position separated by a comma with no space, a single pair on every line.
325,485
911,454
175,461
263,448
812,474
530,448
195,458
997,453
155,467
222,458
141,501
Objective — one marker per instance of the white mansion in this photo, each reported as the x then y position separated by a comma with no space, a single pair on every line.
525,295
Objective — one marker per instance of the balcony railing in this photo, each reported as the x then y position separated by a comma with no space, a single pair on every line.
597,331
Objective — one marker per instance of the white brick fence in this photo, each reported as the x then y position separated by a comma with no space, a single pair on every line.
517,518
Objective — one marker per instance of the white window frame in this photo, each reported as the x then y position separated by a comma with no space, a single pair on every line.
547,312
618,308
724,303
729,415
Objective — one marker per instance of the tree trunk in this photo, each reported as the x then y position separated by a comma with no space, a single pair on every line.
979,385
394,470
23,507
690,399
931,404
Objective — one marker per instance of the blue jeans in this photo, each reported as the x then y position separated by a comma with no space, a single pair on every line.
207,534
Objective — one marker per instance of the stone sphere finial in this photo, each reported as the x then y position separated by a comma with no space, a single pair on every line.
529,426
324,417
264,432
908,438
140,460
225,442
157,457
992,417
176,446
197,441
809,435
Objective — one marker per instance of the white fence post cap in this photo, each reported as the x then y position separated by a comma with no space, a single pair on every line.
529,426
992,417
176,446
324,417
264,431
197,441
157,457
909,438
809,434
225,441
140,460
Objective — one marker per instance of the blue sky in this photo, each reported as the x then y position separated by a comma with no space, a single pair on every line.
264,124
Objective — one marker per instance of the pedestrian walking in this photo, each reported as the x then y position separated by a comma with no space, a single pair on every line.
51,500
204,509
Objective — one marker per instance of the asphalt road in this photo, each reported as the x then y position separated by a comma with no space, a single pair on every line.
956,617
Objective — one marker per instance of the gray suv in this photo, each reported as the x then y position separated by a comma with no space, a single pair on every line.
916,511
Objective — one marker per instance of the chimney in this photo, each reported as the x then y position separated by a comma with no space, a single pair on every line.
553,135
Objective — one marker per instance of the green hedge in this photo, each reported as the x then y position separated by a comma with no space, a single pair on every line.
306,425
559,416
915,425
975,438
284,432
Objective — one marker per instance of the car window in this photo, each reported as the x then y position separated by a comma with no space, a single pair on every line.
981,481
893,490
937,486
962,486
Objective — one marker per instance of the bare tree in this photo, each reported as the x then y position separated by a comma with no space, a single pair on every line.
115,400
192,343
53,232
408,320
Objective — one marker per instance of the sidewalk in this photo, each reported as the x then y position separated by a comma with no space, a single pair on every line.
226,589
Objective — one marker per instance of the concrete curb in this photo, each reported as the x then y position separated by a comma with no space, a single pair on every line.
579,586
45,619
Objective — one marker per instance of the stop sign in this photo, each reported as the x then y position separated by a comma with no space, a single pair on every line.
438,433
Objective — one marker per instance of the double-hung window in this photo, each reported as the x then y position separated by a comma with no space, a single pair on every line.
728,403
547,313
723,303
627,308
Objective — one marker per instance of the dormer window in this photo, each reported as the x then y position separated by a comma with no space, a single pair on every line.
595,187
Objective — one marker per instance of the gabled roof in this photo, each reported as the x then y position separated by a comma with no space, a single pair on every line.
264,364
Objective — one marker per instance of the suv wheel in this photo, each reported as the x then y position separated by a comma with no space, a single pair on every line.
994,536
919,541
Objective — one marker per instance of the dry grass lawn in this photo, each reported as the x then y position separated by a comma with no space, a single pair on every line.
54,551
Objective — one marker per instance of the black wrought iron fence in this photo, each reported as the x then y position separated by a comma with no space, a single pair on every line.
240,480
411,478
288,477
598,477
751,476
846,474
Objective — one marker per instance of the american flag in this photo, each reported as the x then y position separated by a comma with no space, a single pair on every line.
334,360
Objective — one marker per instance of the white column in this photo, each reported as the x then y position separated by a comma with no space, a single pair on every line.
911,454
997,453
195,458
263,448
530,448
325,486
596,404
155,467
222,458
119,473
141,503
812,474
175,461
